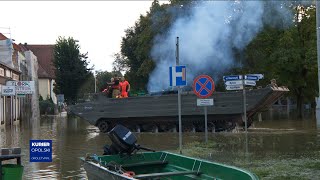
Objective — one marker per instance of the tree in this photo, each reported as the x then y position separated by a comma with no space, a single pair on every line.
297,57
71,68
289,56
87,86
120,63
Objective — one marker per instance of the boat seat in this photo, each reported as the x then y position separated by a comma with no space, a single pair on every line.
145,164
176,173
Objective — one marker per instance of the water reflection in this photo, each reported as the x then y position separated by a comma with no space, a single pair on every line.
276,137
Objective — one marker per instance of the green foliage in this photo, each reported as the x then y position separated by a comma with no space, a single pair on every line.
87,86
289,56
49,99
46,107
71,68
120,63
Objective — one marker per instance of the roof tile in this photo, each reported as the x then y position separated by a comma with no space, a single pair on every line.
44,55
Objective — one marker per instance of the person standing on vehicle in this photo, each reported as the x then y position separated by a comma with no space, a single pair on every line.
108,90
116,88
125,87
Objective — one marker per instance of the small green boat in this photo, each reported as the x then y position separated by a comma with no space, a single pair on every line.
122,161
159,166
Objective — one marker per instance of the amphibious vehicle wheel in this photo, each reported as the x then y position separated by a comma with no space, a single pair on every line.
103,126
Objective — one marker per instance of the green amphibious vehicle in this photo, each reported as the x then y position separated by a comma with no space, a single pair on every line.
160,112
121,160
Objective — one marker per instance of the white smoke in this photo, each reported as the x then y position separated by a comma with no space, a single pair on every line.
208,37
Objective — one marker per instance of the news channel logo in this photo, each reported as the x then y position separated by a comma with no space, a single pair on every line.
40,150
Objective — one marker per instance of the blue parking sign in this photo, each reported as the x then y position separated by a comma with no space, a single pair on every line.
178,76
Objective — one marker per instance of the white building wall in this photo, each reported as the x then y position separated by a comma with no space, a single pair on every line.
53,95
32,64
44,88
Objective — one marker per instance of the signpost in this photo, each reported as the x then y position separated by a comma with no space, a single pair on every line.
203,87
260,76
178,77
236,82
232,77
25,87
205,102
8,90
60,99
22,87
233,82
250,82
235,87
250,77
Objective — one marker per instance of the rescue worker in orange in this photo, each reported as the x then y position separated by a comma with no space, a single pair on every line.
124,87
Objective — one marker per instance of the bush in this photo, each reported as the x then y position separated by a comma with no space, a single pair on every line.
46,107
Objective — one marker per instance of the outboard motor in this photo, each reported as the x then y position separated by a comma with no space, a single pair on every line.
123,142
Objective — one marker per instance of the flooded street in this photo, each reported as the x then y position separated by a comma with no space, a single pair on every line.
271,143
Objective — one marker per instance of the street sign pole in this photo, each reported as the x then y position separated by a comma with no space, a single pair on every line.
244,105
179,100
206,123
203,87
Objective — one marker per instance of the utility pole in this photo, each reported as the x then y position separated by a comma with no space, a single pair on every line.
244,104
179,100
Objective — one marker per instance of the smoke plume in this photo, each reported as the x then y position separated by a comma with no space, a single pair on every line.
209,35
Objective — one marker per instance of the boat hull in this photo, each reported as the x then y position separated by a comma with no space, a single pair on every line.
162,165
96,172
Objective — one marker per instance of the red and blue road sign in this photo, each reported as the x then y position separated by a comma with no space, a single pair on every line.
203,86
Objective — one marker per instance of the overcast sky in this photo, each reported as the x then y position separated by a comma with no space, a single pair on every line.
99,25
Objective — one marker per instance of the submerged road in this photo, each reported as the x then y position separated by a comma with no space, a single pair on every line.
279,141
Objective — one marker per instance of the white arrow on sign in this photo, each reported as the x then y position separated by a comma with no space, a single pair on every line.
234,87
250,82
236,82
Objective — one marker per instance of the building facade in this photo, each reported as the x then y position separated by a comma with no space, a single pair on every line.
10,58
46,71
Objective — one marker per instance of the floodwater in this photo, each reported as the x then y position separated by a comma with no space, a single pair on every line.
275,141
